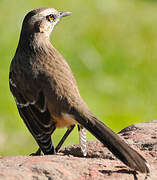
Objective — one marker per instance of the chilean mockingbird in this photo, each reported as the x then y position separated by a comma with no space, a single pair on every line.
47,96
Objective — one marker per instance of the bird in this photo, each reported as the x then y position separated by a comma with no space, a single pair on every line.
47,95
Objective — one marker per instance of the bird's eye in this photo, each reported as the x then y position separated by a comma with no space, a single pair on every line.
50,17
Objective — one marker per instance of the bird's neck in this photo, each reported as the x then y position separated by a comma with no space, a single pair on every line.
33,43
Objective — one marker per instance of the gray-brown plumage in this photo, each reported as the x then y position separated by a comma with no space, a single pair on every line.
46,92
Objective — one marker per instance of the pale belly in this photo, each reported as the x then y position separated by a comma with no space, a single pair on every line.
65,120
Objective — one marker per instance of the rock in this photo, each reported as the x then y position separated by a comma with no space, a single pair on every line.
100,164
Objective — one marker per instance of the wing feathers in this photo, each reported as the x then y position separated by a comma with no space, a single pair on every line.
36,117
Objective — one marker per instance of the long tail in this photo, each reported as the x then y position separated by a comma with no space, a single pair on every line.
113,142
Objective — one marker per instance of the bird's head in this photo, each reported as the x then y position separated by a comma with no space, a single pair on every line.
42,20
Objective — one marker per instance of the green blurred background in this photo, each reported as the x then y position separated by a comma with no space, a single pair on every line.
111,46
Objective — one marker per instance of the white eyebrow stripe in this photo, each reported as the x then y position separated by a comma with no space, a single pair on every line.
48,11
12,83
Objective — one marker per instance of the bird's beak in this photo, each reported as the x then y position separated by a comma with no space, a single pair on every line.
63,14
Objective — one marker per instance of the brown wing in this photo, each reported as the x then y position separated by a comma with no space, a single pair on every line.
36,117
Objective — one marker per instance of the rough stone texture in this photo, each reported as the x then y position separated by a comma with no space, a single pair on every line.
100,164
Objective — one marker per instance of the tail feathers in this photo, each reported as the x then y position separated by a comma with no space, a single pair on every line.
82,140
113,142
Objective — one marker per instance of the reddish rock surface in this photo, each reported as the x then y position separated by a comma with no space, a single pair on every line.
100,164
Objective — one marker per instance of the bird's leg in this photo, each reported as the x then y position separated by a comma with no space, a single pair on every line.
64,137
82,139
